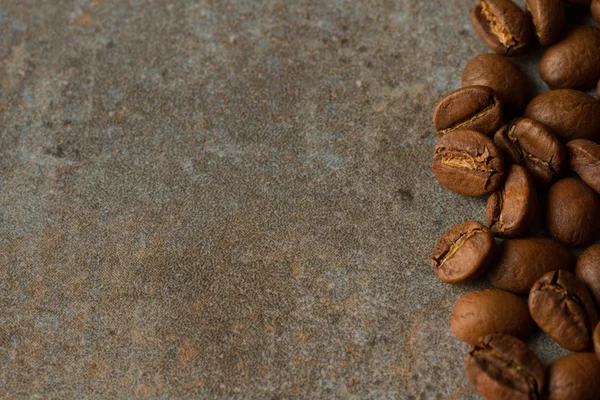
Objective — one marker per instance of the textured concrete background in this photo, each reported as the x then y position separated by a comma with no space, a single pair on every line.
228,199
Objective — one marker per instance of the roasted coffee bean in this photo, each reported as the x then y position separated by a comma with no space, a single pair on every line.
511,209
597,341
573,212
548,19
508,81
475,108
502,25
521,262
533,145
469,163
574,62
574,377
584,159
463,253
502,367
570,114
488,311
562,306
595,9
587,269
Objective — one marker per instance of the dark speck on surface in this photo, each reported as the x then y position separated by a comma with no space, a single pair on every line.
406,195
57,151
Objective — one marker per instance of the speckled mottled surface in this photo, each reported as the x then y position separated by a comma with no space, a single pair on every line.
227,199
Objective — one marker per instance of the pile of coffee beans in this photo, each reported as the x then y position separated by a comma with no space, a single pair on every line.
534,157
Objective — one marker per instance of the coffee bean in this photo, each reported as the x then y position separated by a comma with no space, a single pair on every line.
573,212
533,145
511,209
597,341
587,269
469,163
509,83
584,159
548,19
574,377
502,367
521,262
475,108
502,25
574,62
488,311
570,114
562,306
595,9
463,253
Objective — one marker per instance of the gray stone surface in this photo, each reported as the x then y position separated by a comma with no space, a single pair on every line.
228,199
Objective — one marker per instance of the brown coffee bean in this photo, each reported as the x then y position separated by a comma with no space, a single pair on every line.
521,262
511,209
509,83
475,108
533,145
502,367
562,306
574,62
463,253
548,19
469,163
488,311
597,341
584,159
587,269
570,114
575,376
502,25
573,212
595,9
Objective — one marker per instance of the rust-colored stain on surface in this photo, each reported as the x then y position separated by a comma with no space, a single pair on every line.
84,19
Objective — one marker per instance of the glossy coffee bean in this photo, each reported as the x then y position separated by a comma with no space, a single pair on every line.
574,62
534,146
573,212
574,377
507,80
476,108
548,19
595,9
584,159
562,306
521,262
468,163
463,253
511,209
488,311
570,114
502,367
502,25
587,269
